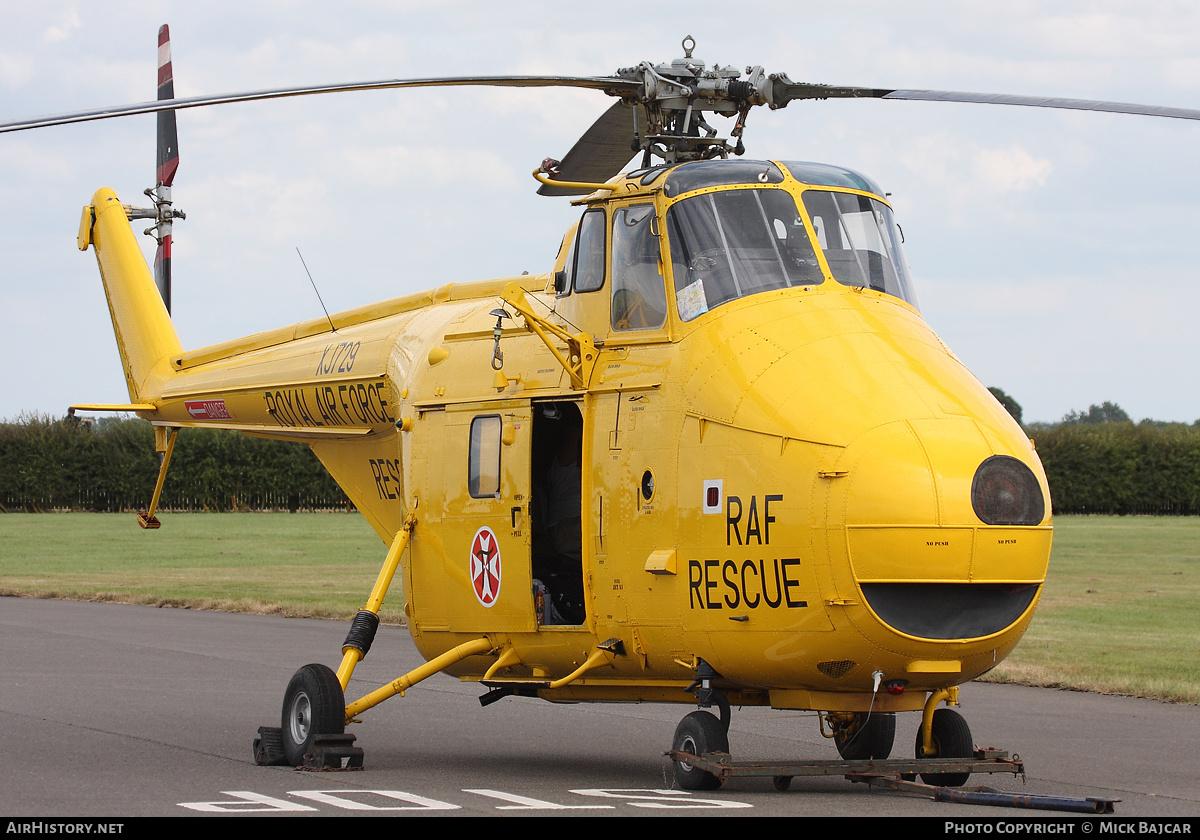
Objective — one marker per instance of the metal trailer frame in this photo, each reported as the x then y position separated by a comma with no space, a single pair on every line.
900,775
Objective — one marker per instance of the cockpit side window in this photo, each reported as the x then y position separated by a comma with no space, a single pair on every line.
586,268
639,298
858,237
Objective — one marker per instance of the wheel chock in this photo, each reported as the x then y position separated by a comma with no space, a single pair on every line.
329,752
333,752
268,747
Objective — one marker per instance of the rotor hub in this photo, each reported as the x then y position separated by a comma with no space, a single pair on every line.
677,96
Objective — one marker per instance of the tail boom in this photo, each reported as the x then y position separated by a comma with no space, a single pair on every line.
145,335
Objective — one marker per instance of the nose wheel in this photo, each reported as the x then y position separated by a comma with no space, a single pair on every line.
951,739
865,736
697,734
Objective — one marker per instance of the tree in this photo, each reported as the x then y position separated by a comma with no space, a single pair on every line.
1010,405
1106,412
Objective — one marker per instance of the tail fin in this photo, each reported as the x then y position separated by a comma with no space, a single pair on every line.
146,338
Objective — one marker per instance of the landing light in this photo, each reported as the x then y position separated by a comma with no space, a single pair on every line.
1006,492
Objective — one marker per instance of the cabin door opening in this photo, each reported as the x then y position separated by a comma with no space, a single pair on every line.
556,510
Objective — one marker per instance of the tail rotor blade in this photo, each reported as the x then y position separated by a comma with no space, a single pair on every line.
168,163
168,134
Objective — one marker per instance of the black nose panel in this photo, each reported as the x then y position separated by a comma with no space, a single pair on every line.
949,610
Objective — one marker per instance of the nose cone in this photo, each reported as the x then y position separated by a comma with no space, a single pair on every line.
925,561
896,432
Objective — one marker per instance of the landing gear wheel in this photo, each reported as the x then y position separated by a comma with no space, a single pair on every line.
866,737
951,739
313,705
699,733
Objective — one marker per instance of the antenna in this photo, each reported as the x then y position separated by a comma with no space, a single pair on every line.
332,328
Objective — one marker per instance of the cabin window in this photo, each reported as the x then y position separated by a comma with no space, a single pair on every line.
860,241
733,243
483,467
586,266
639,298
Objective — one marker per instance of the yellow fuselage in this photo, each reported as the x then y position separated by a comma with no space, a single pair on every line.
780,486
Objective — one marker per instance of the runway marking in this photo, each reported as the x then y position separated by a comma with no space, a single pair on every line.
247,801
250,802
525,803
338,799
661,798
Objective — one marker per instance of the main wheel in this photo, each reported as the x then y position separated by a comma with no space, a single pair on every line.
313,705
699,733
869,736
951,739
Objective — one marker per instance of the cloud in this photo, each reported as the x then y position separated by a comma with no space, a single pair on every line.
67,22
15,70
1010,170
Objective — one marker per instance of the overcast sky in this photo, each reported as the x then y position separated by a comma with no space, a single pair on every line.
1056,253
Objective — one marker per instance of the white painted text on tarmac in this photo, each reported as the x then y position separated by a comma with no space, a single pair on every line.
347,799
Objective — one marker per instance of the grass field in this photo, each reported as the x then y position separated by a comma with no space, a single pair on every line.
1120,612
303,564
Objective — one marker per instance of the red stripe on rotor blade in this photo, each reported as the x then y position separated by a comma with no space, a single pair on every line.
166,172
164,61
168,134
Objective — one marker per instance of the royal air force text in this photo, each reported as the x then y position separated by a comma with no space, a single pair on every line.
345,404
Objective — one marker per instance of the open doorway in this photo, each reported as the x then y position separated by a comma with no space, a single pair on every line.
556,471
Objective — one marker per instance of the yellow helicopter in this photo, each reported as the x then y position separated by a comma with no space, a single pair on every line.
713,457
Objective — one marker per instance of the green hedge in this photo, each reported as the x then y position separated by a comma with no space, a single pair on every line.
110,465
1112,468
1122,468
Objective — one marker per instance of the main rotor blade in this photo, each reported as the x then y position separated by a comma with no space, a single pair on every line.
1047,102
611,86
602,151
788,91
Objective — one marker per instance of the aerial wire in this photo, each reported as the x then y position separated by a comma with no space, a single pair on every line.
332,328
